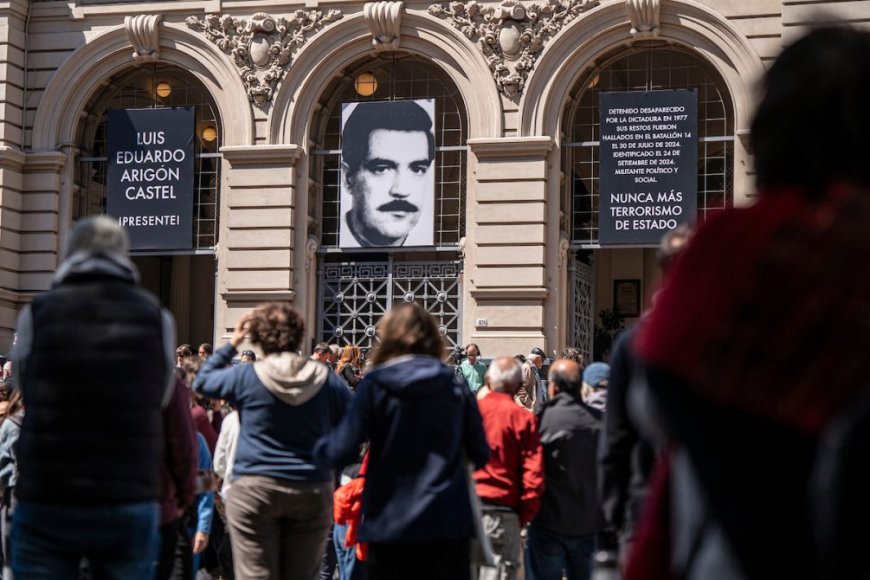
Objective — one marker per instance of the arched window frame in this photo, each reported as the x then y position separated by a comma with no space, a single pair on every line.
357,287
638,71
137,89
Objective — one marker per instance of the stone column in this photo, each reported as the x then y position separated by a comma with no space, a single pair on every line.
505,288
256,244
13,15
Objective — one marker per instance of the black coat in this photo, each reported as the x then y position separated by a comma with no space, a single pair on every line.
569,434
626,460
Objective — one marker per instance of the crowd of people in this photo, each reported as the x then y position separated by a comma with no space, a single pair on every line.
726,437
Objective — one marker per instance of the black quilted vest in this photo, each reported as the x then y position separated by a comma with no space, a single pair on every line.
93,387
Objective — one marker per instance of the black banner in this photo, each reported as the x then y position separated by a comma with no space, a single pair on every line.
649,165
150,176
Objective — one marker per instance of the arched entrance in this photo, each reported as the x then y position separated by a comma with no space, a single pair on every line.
183,280
598,274
357,287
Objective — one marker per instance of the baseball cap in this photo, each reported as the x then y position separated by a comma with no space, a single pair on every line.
538,351
596,373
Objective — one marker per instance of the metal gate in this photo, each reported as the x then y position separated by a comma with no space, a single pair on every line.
583,309
355,295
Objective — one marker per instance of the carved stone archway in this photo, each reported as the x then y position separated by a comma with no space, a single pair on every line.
79,78
603,29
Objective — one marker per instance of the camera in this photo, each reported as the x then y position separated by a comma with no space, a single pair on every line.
457,355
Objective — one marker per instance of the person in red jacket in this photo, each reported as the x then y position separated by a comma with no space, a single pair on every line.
511,484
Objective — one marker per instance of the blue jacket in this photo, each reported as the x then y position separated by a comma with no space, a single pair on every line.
423,424
204,501
286,403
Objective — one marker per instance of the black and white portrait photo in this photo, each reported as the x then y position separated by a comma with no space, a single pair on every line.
387,174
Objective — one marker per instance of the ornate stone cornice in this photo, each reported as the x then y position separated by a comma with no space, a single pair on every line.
262,48
644,17
144,34
384,19
238,155
505,147
511,35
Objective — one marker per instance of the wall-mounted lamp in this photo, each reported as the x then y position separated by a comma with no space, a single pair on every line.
365,84
209,133
163,90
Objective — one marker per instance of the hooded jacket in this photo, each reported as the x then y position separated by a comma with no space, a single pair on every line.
423,424
285,402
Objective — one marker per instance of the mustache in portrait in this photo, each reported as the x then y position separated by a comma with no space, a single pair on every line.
399,205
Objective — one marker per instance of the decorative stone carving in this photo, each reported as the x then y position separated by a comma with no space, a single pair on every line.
511,35
144,35
311,247
262,47
644,17
564,246
384,20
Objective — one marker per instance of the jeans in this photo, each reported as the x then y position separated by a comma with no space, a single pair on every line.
349,568
119,541
548,554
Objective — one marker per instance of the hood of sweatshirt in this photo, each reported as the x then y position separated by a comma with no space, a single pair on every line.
87,266
412,376
294,379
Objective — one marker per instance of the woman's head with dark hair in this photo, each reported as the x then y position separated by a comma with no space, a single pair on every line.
812,125
205,350
408,329
276,327
190,367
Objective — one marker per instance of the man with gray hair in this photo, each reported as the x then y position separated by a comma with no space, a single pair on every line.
511,484
94,362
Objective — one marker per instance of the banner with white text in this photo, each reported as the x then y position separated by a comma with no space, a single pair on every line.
649,165
149,189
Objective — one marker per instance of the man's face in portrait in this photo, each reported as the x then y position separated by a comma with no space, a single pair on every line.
390,186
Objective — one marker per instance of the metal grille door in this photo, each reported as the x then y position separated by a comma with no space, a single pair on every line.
355,296
583,310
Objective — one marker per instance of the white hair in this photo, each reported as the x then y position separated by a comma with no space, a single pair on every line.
503,371
98,234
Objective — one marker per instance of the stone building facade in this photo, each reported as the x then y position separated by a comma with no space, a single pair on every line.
516,261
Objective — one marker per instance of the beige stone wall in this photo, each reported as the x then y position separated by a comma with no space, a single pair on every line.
258,207
506,266
55,55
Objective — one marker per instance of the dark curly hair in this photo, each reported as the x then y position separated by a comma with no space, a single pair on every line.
408,329
276,327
